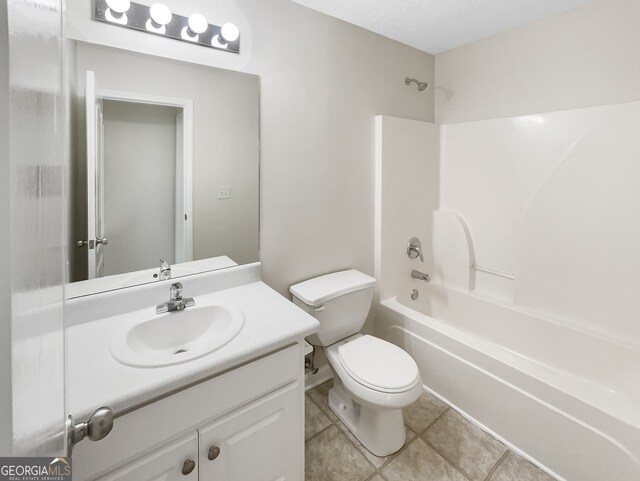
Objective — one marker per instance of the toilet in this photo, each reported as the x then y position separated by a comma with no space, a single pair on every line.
373,379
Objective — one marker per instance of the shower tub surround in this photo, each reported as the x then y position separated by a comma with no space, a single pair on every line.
545,355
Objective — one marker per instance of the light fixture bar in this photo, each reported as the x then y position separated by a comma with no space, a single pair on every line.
137,18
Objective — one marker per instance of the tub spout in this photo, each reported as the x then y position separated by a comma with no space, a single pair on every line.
420,275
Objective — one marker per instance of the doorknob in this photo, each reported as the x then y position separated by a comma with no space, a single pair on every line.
98,427
188,467
84,243
92,244
214,452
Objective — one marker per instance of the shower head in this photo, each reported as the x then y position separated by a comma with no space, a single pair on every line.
422,86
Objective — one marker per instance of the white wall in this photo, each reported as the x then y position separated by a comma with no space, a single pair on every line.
322,83
140,185
5,253
585,57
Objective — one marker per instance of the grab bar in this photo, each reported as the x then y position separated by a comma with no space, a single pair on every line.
493,272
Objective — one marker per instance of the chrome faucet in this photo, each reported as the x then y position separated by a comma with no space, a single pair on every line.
176,301
420,276
165,270
414,249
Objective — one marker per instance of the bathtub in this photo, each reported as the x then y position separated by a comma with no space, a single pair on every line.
567,400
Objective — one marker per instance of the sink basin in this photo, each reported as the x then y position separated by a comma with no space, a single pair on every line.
177,337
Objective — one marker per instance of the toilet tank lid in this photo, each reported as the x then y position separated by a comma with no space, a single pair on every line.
316,292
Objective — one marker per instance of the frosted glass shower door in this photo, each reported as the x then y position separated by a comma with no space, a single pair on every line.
34,167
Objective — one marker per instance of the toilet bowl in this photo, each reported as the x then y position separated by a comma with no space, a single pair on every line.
373,380
366,397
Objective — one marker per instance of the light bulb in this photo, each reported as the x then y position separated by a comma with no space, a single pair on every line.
119,6
229,32
160,14
218,42
198,23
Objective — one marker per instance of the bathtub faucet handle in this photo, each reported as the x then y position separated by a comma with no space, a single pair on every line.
414,249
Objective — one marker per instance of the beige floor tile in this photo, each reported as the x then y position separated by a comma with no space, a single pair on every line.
423,412
418,462
315,420
377,477
465,445
331,457
514,468
373,459
320,395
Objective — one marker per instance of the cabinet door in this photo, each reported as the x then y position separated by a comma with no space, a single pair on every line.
177,461
264,441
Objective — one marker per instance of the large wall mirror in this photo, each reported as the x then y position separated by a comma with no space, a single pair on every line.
165,181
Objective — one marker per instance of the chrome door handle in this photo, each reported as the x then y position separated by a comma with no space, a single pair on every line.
214,452
104,241
98,427
188,467
83,243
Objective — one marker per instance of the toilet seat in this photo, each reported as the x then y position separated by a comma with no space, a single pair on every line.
375,397
378,365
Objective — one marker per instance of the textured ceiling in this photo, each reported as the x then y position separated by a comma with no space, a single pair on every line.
436,26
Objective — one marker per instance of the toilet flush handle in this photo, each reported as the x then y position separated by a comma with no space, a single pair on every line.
319,308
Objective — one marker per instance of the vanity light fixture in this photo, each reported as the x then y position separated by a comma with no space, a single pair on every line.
117,11
160,16
158,19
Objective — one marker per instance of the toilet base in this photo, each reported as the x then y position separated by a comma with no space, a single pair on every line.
380,430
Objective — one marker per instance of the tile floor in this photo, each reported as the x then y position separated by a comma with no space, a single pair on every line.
441,446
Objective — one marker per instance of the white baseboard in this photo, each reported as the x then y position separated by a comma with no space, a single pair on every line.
322,376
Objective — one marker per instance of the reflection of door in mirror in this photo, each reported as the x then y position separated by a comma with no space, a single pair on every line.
95,241
138,181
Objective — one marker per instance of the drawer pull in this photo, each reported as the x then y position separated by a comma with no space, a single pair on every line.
188,467
214,452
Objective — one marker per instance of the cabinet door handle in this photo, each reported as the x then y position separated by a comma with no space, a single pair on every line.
214,452
188,467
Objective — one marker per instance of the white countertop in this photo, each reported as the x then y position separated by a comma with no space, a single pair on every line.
96,379
120,281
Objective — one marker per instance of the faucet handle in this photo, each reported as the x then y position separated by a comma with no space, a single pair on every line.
163,264
176,291
414,249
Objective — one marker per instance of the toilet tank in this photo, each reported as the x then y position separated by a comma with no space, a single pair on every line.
340,301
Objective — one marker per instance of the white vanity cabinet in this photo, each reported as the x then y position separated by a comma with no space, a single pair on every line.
255,443
244,425
176,461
